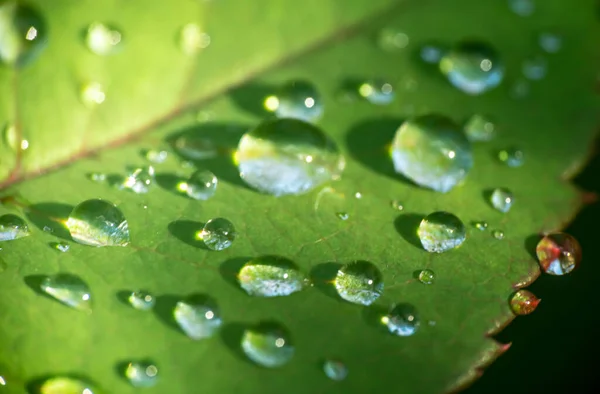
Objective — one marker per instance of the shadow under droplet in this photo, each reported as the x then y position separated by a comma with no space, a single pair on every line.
487,197
231,335
372,315
170,183
322,277
34,282
186,230
123,296
251,98
121,369
229,270
407,225
165,304
51,215
531,243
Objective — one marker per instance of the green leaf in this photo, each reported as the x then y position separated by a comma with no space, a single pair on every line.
154,93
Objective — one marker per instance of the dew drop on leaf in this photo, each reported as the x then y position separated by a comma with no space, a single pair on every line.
66,385
427,277
141,373
268,345
296,99
287,156
498,234
156,156
60,246
102,39
92,94
558,253
343,215
69,289
522,7
523,302
22,33
377,91
392,40
202,185
502,199
512,157
402,320
397,205
480,225
139,180
96,177
141,300
271,276
535,68
98,222
472,67
359,282
198,316
12,227
432,151
480,128
431,53
192,39
441,231
195,147
550,42
217,234
335,369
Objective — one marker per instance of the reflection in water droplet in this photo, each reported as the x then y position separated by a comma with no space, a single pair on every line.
98,223
217,234
22,33
535,68
61,246
139,180
12,227
498,234
142,300
298,100
432,151
156,156
480,128
268,345
397,205
359,282
472,67
69,289
427,277
481,226
392,40
523,302
377,91
441,231
431,54
287,156
550,42
522,7
402,320
102,39
192,39
2,381
502,199
66,385
558,253
141,373
198,316
271,276
512,157
335,370
202,185
92,94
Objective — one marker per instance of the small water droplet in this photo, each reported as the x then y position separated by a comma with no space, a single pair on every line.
69,289
377,91
535,68
202,185
271,276
102,39
23,33
359,282
60,246
397,205
441,231
217,234
198,316
195,147
268,345
24,144
343,215
92,94
523,302
141,373
431,54
298,100
480,225
432,151
192,39
392,40
287,156
427,277
472,67
98,223
48,229
358,195
498,234
66,385
522,7
480,128
96,177
558,253
12,227
139,180
502,199
402,320
551,42
335,369
141,300
512,157
156,156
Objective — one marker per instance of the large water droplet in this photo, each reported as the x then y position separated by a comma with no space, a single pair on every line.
217,234
558,253
441,231
287,156
22,33
69,289
359,282
392,40
473,67
427,277
202,185
402,320
550,42
480,128
66,385
512,157
139,180
335,369
432,151
271,276
142,300
522,7
198,316
377,91
268,345
298,100
92,94
523,302
535,68
141,373
502,199
12,227
102,39
193,39
98,223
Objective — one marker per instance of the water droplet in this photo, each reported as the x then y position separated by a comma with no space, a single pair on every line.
69,289
217,234
156,156
141,300
12,227
441,231
96,177
535,68
102,39
498,234
512,157
335,369
198,316
192,39
522,7
22,33
558,253
343,215
358,195
139,180
268,345
480,128
432,151
48,229
60,246
2,381
195,147
481,226
359,282
427,277
431,54
287,156
397,205
472,67
402,320
92,94
271,276
298,100
66,385
202,185
502,199
392,40
550,42
523,302
98,223
377,91
141,373
11,136
24,145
